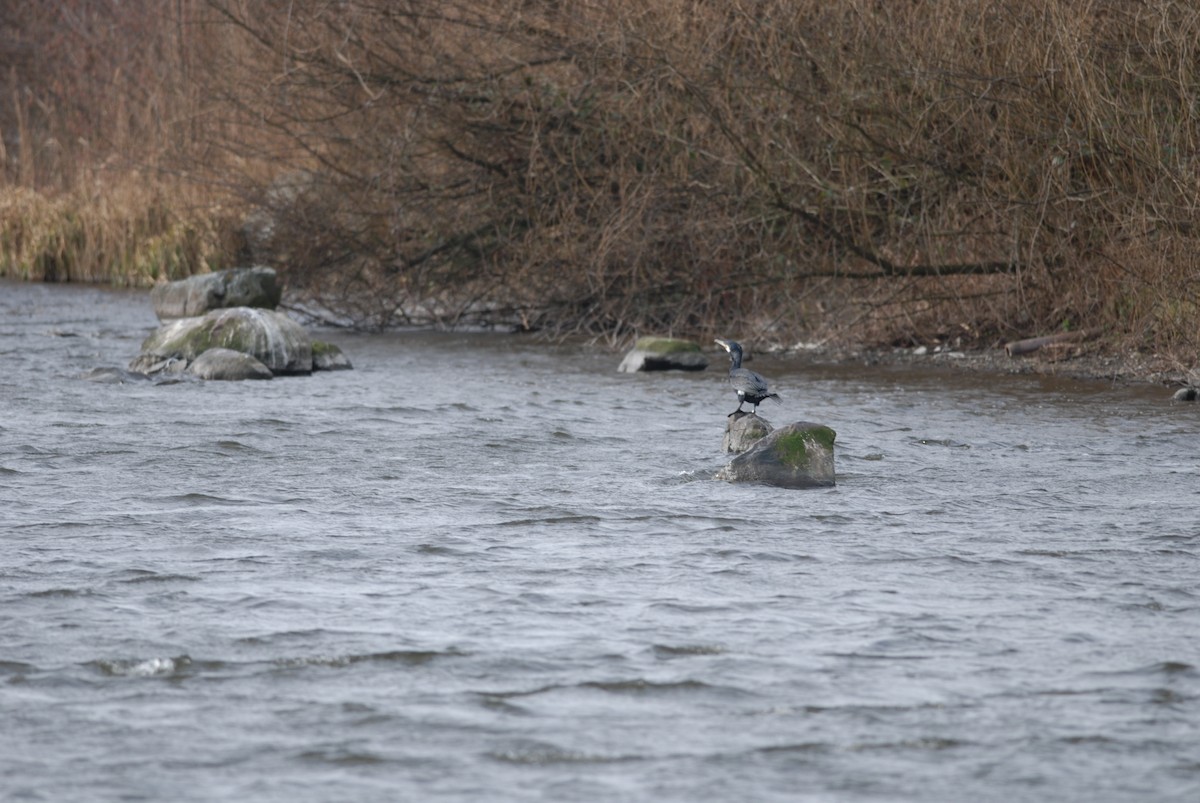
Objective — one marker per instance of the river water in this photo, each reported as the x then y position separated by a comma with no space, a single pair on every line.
483,568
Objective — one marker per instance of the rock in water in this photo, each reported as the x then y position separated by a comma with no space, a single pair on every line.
228,364
743,430
328,357
272,338
663,354
114,376
197,295
798,455
1186,394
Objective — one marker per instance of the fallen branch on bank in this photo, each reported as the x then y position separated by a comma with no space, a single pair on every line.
1030,345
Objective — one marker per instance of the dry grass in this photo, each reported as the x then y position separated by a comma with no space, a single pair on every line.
134,234
97,121
780,169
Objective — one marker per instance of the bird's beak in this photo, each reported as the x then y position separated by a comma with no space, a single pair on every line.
722,343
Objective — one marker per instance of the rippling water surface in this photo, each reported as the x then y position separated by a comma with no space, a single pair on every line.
484,568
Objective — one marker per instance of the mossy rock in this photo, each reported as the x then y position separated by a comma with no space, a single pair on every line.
798,455
664,354
272,338
328,357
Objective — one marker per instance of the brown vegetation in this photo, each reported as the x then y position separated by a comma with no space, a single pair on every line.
861,171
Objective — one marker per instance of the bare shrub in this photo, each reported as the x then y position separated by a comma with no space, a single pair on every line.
846,172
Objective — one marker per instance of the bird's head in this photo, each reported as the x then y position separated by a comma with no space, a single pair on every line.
729,345
735,351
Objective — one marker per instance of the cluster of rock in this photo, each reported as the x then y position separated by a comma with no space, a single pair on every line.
799,455
225,326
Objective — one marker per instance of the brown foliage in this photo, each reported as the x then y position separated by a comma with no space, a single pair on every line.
856,171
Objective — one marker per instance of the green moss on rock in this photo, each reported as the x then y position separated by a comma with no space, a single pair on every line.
328,357
793,447
798,455
665,345
664,354
272,338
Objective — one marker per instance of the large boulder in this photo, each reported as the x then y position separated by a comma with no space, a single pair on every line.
798,455
743,430
228,364
663,354
198,295
272,338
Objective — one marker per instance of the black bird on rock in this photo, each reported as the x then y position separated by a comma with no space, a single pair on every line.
750,386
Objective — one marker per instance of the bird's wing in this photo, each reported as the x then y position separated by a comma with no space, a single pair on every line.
748,382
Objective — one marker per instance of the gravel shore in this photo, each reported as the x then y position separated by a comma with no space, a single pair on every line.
1074,362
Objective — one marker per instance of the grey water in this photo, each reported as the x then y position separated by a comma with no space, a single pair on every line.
479,567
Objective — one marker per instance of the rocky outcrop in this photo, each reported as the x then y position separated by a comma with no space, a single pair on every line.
272,338
798,455
743,430
664,354
198,295
228,364
224,326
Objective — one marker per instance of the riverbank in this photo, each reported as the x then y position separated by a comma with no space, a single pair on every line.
1080,363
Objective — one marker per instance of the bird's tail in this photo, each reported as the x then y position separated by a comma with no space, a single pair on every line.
774,396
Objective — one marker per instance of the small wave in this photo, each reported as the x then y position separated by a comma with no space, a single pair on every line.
285,635
576,519
155,577
199,499
687,650
235,446
341,757
440,549
642,686
64,593
142,667
946,442
406,657
1162,668
922,743
538,753
766,557
800,747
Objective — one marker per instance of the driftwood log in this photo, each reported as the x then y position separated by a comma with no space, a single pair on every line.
1019,347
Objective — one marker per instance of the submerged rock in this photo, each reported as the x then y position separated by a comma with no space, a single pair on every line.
272,338
663,354
328,357
198,295
743,430
114,376
798,455
228,364
154,364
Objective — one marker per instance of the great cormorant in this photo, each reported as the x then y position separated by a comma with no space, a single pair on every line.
750,386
